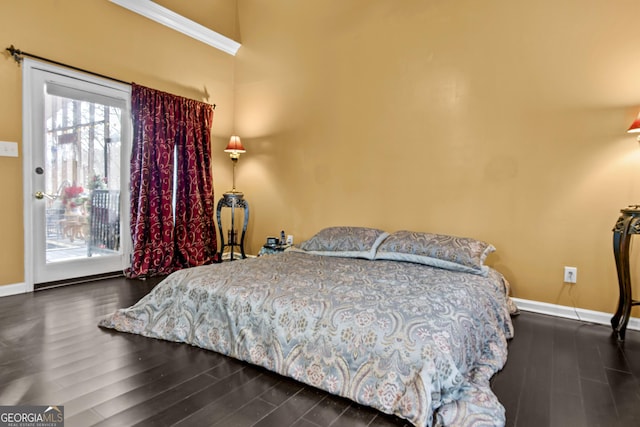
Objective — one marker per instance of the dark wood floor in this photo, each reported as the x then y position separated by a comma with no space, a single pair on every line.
559,373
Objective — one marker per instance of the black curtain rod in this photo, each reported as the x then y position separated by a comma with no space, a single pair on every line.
17,55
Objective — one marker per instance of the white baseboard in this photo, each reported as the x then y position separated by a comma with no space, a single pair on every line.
17,288
572,313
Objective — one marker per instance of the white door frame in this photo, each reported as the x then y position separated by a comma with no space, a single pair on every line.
28,135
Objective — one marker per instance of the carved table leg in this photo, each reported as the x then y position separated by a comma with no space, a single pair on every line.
621,241
244,228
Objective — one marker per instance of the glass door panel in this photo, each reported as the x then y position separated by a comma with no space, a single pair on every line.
82,169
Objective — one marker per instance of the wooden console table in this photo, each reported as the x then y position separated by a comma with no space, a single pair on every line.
627,225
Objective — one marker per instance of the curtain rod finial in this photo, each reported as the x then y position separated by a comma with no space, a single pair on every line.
16,54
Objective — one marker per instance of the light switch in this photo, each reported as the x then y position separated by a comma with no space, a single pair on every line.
8,149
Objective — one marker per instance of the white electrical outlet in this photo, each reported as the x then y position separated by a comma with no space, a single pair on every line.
570,274
290,239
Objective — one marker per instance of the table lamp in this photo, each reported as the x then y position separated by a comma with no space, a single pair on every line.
234,148
635,127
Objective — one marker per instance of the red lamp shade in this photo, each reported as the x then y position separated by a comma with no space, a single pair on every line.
235,146
635,126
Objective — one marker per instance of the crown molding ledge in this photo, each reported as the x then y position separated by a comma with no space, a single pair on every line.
177,22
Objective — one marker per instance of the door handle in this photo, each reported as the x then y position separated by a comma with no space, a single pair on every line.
40,195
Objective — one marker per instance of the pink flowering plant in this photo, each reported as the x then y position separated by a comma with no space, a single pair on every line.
73,196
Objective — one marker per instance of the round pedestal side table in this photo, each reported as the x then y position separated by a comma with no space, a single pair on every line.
627,225
232,200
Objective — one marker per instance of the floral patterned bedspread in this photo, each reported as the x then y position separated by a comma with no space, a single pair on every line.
407,339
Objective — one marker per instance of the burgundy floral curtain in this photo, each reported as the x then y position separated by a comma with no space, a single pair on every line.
171,143
195,232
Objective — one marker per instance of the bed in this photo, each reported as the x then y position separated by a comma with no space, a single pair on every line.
412,324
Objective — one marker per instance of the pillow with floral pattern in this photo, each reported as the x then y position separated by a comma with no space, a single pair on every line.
351,242
437,250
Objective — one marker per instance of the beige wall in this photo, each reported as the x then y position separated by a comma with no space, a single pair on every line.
502,120
103,37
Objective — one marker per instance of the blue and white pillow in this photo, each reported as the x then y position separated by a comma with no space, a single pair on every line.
437,250
350,242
